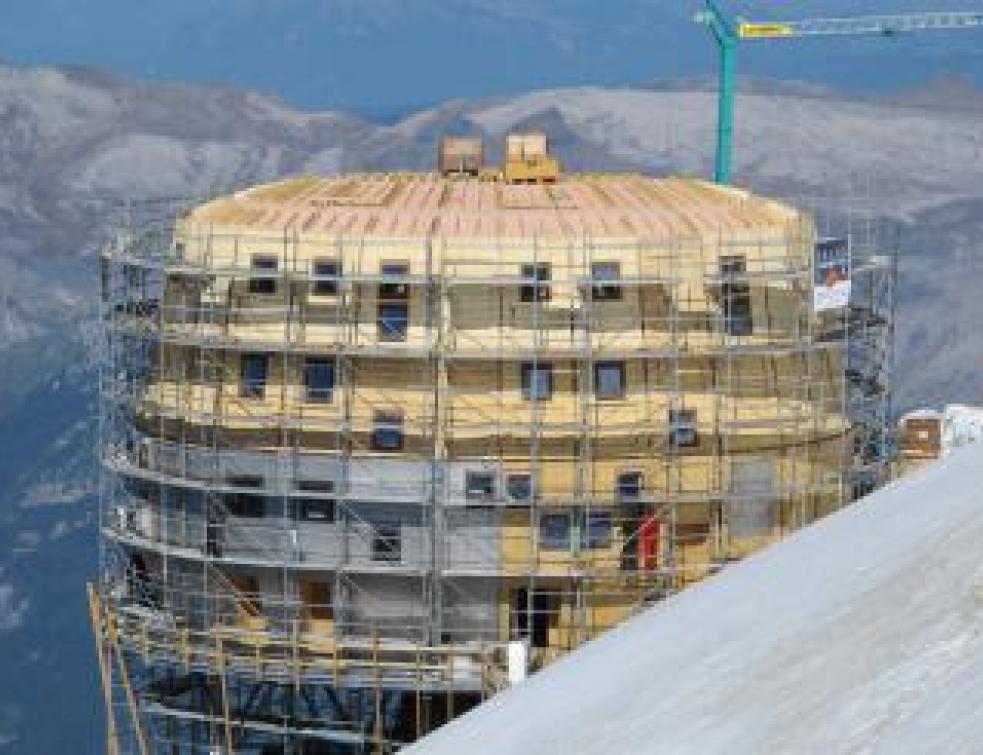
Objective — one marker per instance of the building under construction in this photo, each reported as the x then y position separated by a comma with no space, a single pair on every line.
377,446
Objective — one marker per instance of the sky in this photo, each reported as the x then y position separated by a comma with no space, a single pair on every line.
383,57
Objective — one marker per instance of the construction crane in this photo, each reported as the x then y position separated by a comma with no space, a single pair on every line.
729,34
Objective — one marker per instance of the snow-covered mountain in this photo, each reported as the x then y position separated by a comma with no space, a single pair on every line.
74,142
860,634
392,55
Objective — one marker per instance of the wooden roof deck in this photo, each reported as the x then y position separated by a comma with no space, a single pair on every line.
394,205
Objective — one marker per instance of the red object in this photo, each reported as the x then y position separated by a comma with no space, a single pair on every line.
649,535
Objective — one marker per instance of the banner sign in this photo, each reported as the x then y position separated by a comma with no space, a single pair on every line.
832,283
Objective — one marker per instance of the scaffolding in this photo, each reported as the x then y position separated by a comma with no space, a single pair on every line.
348,476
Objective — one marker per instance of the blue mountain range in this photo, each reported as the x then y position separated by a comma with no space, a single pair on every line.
383,57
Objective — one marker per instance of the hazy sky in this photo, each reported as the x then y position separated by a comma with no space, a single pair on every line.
384,56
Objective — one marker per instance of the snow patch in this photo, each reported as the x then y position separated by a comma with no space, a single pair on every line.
860,634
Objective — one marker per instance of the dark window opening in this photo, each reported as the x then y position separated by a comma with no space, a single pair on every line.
393,322
315,509
387,543
597,530
533,618
253,374
519,487
394,290
387,433
605,281
263,280
682,428
316,599
609,380
736,297
629,486
319,378
325,278
554,532
479,486
244,504
535,286
537,381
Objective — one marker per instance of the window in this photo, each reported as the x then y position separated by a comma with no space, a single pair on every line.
597,530
265,269
253,371
602,275
316,510
736,296
682,428
534,614
319,380
387,434
537,381
479,486
396,290
242,503
316,597
325,277
320,509
387,543
519,487
733,265
609,380
554,532
535,286
629,487
393,322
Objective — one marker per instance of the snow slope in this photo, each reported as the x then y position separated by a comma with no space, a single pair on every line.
861,634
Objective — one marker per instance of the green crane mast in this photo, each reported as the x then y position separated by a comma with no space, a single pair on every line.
729,34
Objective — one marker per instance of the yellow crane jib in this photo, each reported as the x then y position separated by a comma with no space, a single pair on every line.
728,34
748,30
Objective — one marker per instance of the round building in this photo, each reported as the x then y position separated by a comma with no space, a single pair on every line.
380,445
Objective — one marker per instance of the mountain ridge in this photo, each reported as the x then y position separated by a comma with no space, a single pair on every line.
75,147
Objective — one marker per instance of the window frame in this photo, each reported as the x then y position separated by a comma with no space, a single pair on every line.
735,296
622,370
313,395
474,495
394,291
684,421
254,388
552,541
385,331
304,505
541,290
383,421
313,609
588,540
245,505
623,490
320,286
526,372
264,285
606,291
510,480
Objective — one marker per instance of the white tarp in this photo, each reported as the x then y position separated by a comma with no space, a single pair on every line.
861,634
832,285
